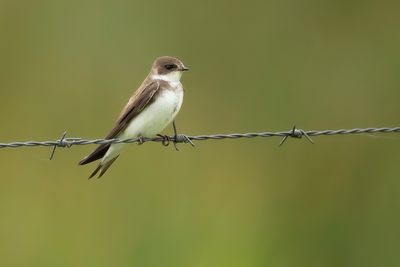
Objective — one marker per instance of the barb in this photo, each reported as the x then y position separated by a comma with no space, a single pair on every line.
182,138
60,143
296,133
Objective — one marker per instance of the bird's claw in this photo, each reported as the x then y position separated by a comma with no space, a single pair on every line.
140,140
165,139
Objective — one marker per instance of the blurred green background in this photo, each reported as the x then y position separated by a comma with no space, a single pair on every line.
255,66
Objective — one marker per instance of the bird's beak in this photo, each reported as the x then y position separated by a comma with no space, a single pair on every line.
184,69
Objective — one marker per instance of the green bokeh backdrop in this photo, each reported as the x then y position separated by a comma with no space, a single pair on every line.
255,66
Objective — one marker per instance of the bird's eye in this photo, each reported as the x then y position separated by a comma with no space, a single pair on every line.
170,66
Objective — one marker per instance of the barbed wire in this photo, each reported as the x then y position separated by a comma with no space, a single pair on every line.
182,138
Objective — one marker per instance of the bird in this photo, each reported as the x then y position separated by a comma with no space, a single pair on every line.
151,108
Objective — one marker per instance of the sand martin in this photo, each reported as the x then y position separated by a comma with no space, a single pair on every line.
151,108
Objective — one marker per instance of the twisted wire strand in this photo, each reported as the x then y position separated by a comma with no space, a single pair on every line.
182,138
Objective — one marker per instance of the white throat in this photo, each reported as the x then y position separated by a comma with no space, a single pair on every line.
172,77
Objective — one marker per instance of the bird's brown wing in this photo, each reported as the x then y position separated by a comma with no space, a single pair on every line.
137,103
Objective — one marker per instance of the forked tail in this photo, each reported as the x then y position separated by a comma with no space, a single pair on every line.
103,167
98,153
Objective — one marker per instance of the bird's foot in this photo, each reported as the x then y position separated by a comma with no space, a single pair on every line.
140,140
165,139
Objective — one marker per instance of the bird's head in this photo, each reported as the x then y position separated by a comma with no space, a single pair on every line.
168,69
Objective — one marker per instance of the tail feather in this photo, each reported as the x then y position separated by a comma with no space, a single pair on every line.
96,170
98,153
103,167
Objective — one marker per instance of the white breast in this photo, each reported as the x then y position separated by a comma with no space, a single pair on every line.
153,119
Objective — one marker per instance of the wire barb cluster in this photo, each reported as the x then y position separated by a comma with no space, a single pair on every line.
182,138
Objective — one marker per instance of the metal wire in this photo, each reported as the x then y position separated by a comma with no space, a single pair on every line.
182,138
